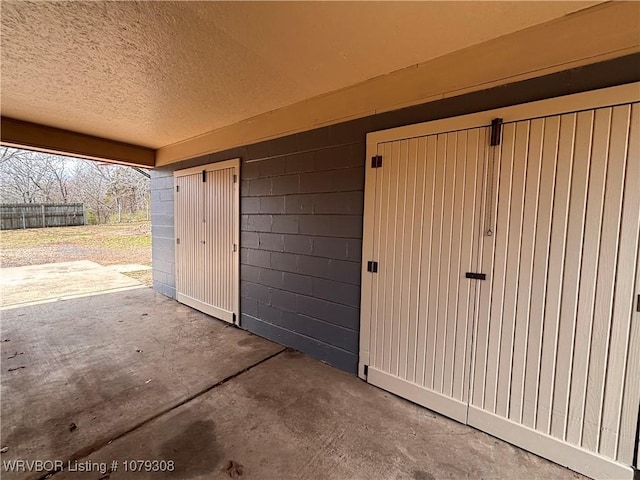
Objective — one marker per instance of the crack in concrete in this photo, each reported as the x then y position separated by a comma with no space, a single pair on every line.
98,445
171,365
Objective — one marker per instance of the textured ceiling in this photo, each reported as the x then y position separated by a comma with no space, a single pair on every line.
155,73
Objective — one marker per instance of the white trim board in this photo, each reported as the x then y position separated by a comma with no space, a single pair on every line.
234,162
570,456
543,108
422,396
203,307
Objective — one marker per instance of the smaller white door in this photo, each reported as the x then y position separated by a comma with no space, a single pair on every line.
425,233
207,222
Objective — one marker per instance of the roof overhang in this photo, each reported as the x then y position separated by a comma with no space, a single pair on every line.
31,136
166,115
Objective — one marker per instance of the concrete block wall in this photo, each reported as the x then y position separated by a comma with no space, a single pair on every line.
301,224
301,214
301,238
162,234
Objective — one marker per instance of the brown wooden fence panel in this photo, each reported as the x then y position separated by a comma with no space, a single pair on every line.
39,215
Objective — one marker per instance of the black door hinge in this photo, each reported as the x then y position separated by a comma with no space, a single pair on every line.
177,241
496,131
204,175
177,188
638,303
235,179
376,161
372,267
366,370
476,276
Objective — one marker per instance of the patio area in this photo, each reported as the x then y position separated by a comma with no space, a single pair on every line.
97,380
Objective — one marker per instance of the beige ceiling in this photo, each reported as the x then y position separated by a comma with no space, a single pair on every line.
157,73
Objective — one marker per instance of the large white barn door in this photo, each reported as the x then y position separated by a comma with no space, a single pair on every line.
207,239
544,351
425,236
556,348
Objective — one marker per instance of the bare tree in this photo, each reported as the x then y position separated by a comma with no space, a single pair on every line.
106,190
29,177
90,187
24,177
129,190
60,174
7,154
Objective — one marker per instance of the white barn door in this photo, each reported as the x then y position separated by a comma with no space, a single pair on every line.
426,225
207,217
556,362
500,283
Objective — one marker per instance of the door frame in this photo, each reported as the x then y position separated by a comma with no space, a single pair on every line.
235,281
572,456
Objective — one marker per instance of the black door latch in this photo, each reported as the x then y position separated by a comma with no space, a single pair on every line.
476,276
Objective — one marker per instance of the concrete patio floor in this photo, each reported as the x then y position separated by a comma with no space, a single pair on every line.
61,281
133,375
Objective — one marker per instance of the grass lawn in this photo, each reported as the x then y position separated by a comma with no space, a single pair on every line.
115,244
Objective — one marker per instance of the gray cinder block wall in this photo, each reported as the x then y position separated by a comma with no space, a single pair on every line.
162,233
301,214
301,235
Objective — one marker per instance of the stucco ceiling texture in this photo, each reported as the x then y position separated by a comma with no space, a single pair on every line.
155,73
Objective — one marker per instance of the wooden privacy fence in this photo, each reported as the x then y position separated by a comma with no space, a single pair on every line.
39,215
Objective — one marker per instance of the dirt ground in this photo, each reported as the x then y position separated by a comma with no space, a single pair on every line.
125,243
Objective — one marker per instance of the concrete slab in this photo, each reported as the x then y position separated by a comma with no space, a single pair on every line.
33,284
106,363
128,267
293,417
